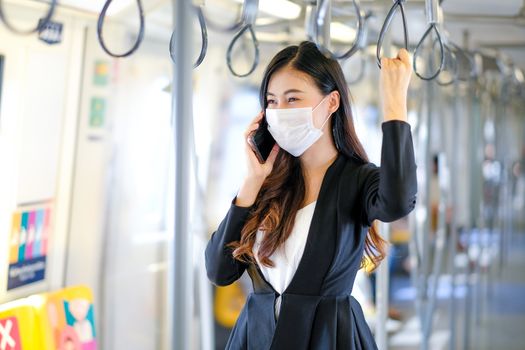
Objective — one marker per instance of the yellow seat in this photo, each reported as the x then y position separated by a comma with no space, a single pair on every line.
56,320
19,327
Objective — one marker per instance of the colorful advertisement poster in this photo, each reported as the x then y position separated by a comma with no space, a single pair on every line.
71,318
28,246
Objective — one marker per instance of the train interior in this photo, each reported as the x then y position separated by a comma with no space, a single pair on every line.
99,122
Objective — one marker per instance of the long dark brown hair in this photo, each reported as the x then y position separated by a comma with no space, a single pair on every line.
282,193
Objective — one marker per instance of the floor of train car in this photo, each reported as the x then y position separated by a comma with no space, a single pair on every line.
501,321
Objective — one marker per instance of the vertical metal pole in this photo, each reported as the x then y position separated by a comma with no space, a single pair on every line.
181,262
470,225
475,187
327,21
481,222
382,294
453,219
439,244
417,221
382,282
425,256
507,209
505,176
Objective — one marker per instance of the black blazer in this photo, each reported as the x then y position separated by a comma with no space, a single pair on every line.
317,309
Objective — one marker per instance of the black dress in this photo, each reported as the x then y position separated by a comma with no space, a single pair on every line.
317,310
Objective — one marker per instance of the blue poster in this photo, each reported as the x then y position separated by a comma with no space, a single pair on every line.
28,246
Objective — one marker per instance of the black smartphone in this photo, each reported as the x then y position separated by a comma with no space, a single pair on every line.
261,141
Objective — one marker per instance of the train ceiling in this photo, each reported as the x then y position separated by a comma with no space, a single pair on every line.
498,26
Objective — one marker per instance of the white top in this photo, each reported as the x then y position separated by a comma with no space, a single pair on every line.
287,257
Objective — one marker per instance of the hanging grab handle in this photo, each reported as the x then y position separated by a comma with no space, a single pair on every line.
255,63
453,64
243,19
362,69
432,9
398,4
431,27
251,7
100,25
42,24
459,52
204,39
321,23
361,46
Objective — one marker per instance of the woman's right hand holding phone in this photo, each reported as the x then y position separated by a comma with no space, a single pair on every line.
256,172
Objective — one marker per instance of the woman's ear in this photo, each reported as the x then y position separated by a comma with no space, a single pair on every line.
333,101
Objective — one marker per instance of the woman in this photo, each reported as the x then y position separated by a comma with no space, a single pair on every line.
302,221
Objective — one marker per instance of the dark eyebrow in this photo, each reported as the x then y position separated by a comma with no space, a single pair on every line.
287,92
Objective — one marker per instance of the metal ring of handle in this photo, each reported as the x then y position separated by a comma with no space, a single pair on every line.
431,27
386,24
362,43
468,57
362,46
455,69
247,10
100,25
320,23
204,38
230,49
361,72
40,25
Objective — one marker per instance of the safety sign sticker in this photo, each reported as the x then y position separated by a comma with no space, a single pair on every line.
9,334
97,112
28,246
101,74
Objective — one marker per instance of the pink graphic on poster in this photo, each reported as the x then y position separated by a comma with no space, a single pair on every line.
9,334
30,236
45,231
80,328
37,246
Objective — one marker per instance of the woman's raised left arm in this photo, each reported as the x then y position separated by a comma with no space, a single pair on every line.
394,79
389,192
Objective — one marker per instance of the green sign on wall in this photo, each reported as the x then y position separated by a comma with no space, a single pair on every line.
97,113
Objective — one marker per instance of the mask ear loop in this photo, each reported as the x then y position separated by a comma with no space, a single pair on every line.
322,126
327,118
324,98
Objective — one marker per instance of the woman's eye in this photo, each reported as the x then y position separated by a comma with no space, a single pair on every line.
292,99
270,102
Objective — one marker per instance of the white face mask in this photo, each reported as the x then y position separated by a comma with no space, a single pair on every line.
293,128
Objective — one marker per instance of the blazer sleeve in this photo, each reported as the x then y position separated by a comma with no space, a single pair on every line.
221,267
389,191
